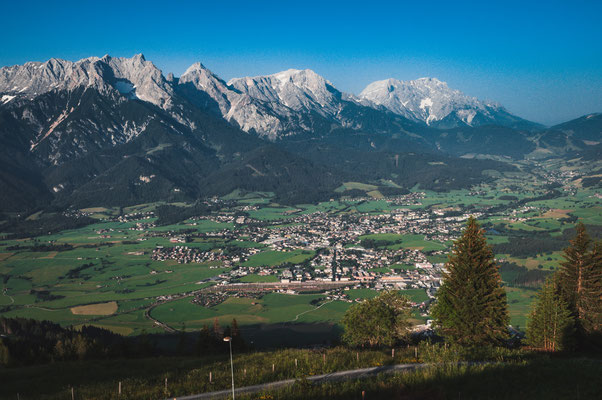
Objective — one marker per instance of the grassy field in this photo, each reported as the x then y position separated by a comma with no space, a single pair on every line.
273,258
99,277
272,308
405,241
356,185
259,278
519,305
108,308
272,213
402,267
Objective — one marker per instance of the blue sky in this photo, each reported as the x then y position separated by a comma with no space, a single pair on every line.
542,60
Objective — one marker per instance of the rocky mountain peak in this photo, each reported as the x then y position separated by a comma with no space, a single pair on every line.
299,90
144,80
429,100
203,79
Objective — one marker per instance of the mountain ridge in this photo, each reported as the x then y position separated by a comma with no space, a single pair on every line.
117,131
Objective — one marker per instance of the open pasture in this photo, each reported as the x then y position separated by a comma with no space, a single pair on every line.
108,308
410,241
273,258
519,305
270,309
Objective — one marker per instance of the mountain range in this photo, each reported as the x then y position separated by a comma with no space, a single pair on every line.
117,131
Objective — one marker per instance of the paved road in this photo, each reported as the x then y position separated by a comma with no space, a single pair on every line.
147,314
335,376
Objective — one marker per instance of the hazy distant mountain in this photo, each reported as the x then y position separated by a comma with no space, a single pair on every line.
577,134
430,101
587,128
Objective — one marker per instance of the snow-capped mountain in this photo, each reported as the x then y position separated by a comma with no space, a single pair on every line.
433,102
298,90
67,109
271,106
132,77
240,109
274,106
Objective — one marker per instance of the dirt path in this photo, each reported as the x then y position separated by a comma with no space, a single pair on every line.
334,376
313,309
4,292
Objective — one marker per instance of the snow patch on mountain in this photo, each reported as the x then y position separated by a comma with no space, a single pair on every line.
6,98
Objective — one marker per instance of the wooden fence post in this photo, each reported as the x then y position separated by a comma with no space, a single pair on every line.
210,377
273,368
119,389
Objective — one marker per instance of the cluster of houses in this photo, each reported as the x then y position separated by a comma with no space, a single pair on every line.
185,255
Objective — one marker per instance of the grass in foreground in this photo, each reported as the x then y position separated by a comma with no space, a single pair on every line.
145,378
542,378
511,374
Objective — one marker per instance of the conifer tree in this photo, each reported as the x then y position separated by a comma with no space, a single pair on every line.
590,302
551,325
206,341
4,354
235,329
571,273
217,330
471,306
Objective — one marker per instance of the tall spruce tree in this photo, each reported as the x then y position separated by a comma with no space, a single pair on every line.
590,301
471,306
551,325
571,272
